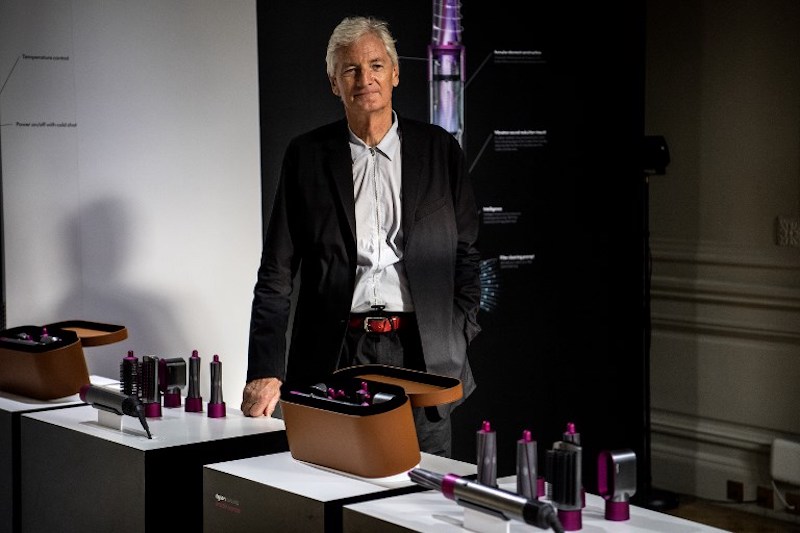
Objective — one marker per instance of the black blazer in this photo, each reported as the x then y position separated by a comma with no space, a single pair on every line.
312,228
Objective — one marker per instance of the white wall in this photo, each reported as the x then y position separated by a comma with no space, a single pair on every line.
144,210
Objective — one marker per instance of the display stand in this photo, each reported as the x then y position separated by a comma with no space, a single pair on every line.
12,408
80,473
109,419
481,522
279,493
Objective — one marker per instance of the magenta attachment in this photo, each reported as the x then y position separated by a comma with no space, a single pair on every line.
570,435
616,482
194,401
487,455
216,407
363,394
46,338
449,486
572,520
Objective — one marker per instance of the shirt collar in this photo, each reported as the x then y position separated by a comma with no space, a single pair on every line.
389,145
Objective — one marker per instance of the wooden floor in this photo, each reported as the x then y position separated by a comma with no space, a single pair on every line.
736,517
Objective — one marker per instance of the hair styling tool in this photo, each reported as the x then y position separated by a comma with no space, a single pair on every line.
616,482
487,455
46,338
129,375
22,338
341,397
573,437
563,472
171,379
194,401
150,393
527,479
115,402
216,407
490,500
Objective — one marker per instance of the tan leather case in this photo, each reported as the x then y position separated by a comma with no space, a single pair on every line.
368,441
47,372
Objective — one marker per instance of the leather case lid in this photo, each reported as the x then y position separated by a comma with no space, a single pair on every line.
422,388
92,333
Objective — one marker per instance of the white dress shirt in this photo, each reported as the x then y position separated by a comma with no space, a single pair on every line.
380,274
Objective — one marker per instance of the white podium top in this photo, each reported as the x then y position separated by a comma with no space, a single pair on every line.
430,511
13,403
175,427
282,471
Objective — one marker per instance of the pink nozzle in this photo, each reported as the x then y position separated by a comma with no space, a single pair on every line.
571,520
449,486
526,436
570,428
194,405
195,353
216,410
152,410
172,399
216,358
486,427
617,511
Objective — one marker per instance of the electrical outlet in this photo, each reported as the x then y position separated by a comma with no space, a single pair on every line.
787,231
735,491
785,461
765,497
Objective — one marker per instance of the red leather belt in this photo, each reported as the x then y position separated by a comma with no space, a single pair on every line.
377,324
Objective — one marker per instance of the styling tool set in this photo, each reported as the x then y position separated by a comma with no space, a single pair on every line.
152,383
159,382
554,500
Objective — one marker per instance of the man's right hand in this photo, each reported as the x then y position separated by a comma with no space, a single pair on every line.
260,396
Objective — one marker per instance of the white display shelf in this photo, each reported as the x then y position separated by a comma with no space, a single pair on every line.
80,475
12,407
279,493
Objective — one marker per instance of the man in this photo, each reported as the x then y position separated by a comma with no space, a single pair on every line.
377,213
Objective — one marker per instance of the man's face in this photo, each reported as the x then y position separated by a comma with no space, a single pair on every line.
365,77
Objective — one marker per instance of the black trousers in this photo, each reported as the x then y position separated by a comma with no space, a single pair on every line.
401,348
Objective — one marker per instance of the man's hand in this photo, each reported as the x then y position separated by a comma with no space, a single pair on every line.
260,396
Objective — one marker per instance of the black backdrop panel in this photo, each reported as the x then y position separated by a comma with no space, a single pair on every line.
553,125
